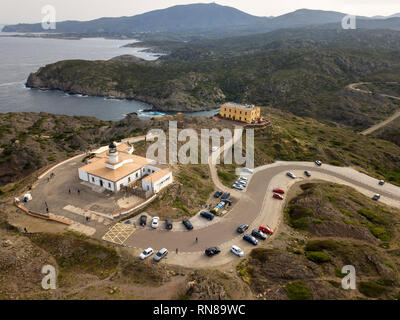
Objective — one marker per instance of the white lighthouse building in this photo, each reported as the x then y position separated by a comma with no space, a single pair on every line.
117,167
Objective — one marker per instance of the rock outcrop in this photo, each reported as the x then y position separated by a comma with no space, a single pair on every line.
130,80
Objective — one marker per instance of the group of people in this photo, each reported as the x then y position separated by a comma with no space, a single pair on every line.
78,191
51,176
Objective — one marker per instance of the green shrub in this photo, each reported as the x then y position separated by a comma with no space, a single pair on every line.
339,274
318,256
318,245
301,223
380,233
298,291
372,216
259,254
371,289
318,220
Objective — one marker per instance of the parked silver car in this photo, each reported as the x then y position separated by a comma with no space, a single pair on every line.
160,254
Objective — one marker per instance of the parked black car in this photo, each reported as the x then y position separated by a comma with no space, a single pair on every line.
207,215
225,196
143,220
187,224
376,197
217,194
242,228
168,224
228,202
259,234
250,239
212,251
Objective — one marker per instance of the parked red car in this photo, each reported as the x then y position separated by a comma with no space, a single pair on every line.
277,196
278,190
266,229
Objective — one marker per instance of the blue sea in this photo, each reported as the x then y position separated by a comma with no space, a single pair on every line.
21,56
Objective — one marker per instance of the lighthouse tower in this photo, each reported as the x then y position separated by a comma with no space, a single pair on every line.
112,153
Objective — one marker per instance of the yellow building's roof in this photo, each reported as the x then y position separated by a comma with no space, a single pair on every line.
238,106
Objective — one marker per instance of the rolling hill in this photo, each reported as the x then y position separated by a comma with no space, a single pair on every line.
205,21
173,19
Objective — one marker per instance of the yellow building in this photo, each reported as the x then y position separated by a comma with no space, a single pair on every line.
240,112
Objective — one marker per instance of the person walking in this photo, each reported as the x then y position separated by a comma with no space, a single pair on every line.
197,240
79,191
25,230
69,190
47,209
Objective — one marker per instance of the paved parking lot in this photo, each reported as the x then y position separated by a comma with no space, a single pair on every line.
60,195
119,233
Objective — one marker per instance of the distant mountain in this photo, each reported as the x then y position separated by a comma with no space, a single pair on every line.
373,24
306,17
173,19
186,18
206,21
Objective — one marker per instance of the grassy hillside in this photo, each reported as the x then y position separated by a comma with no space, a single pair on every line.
305,80
336,226
303,139
292,138
391,132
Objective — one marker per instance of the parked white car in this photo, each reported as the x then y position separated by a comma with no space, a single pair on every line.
243,178
154,222
237,251
146,253
241,182
248,170
238,187
291,175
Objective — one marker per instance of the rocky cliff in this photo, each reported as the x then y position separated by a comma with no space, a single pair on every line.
146,82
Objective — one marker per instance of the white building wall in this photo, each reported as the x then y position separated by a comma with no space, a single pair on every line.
146,185
159,184
109,185
149,169
163,182
83,175
126,181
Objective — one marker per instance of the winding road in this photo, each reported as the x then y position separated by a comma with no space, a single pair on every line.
254,206
381,124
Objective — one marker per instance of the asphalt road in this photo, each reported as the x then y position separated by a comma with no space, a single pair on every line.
251,204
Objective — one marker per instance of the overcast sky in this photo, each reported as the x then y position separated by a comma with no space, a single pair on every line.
14,11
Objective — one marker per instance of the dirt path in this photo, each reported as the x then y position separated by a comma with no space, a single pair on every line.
381,124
